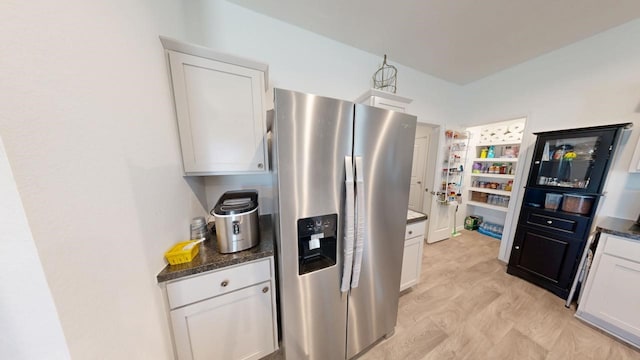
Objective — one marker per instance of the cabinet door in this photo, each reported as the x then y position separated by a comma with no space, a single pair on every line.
545,258
575,161
238,325
411,262
220,113
540,254
614,294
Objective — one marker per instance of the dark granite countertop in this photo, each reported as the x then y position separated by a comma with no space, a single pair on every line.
414,216
621,227
210,259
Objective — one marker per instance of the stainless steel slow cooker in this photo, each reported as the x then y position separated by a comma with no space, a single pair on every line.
236,219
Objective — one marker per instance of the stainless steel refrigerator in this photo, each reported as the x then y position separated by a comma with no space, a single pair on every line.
341,189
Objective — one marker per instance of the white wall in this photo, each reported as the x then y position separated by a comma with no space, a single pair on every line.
88,124
89,129
304,61
592,82
28,319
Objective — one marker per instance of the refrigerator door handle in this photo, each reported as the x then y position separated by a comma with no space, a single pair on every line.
360,225
348,225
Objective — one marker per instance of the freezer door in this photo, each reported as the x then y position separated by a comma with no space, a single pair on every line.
384,141
312,136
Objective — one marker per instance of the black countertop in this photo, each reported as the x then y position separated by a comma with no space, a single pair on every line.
210,259
414,216
621,227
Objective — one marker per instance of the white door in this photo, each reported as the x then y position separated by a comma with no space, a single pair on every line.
440,221
440,215
417,189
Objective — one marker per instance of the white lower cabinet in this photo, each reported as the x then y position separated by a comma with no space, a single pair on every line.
611,298
236,324
412,257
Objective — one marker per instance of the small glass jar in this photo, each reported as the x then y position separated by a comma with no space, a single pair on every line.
199,228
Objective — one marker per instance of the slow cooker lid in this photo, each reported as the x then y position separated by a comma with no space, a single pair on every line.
237,205
236,202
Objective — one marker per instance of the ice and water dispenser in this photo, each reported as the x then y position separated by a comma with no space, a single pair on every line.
317,241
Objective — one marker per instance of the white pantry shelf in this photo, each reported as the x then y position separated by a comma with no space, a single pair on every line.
491,191
502,159
497,176
497,143
487,206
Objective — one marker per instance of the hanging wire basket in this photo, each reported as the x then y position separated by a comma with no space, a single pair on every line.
385,77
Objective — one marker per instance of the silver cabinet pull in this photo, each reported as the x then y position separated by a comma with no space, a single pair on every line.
265,289
224,283
260,165
549,222
410,232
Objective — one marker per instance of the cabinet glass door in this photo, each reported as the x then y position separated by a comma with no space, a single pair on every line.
568,162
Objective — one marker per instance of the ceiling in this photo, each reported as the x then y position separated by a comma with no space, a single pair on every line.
456,40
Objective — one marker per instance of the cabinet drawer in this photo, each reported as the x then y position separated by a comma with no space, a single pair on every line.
415,229
187,291
552,222
623,248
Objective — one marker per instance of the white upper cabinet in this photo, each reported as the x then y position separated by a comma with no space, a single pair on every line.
220,107
384,100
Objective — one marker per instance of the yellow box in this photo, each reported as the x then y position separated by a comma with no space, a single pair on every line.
181,253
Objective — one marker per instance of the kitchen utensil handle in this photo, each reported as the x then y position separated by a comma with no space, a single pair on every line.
348,225
360,223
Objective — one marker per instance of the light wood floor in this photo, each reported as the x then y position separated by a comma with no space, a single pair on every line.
467,307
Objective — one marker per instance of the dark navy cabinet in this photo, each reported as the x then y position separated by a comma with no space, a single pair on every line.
570,165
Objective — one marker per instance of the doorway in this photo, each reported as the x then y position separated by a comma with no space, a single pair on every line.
423,169
495,196
417,187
